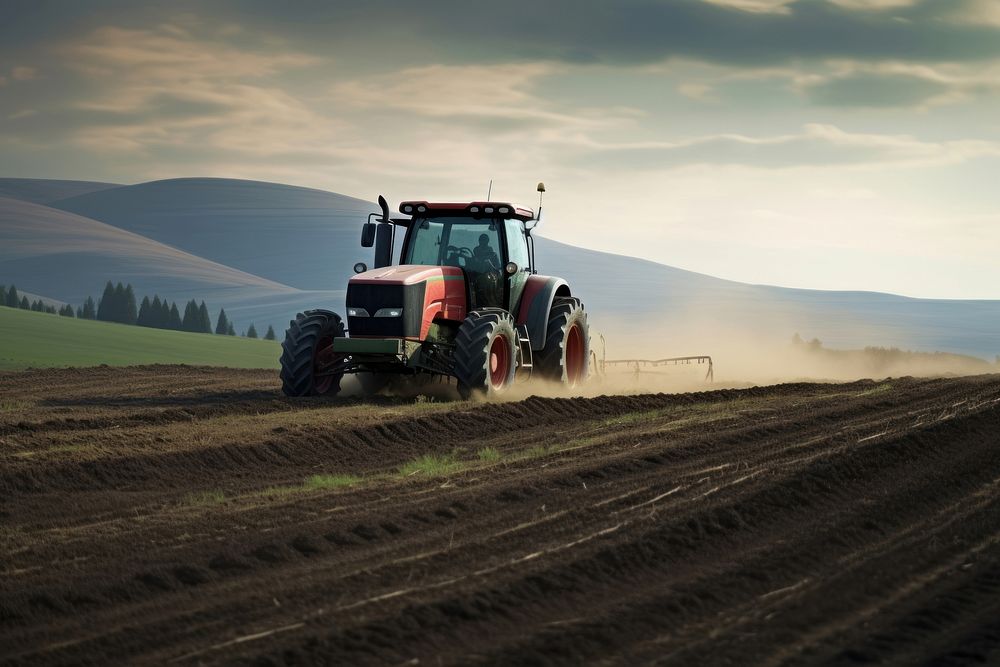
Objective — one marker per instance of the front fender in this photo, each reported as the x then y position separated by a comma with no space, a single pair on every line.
536,302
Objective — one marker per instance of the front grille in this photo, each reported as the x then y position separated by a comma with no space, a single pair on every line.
372,298
390,327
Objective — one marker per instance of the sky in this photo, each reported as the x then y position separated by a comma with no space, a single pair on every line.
826,144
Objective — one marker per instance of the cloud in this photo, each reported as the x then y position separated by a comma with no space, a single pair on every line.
898,84
171,52
784,6
974,12
742,33
864,89
874,5
170,87
501,97
23,73
755,6
817,146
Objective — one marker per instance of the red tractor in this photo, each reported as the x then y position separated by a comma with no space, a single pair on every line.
464,302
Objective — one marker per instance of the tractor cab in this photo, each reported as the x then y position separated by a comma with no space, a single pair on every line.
488,241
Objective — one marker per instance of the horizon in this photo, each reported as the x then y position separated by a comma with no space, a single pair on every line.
835,145
541,232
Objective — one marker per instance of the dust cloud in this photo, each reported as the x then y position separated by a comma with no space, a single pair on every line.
743,354
760,352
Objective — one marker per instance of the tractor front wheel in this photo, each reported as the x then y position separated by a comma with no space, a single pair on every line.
566,355
485,353
309,366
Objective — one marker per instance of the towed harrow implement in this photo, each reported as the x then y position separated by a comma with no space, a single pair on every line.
640,366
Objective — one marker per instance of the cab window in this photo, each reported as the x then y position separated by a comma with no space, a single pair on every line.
425,244
516,245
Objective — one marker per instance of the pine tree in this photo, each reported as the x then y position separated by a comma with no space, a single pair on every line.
119,304
3,295
204,319
36,306
79,312
25,304
152,313
222,325
270,333
159,313
190,321
167,315
106,306
129,314
67,311
251,332
51,310
145,308
231,331
174,322
89,309
13,301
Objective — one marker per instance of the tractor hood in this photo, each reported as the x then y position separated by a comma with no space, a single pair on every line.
406,274
403,301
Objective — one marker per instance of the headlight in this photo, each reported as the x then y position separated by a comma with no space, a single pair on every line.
357,312
389,312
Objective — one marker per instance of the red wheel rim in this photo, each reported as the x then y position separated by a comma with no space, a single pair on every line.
576,358
499,362
323,359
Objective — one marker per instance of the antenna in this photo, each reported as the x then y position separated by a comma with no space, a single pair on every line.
490,191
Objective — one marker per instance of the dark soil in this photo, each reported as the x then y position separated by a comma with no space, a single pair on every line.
161,514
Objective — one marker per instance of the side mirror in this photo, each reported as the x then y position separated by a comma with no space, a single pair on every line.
368,235
511,268
360,267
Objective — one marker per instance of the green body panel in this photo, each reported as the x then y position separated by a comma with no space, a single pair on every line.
412,351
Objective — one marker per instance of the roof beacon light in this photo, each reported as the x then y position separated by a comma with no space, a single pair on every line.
538,215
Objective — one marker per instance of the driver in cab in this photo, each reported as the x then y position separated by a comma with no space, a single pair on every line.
485,269
486,255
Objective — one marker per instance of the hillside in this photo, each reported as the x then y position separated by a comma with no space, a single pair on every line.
69,257
657,310
304,238
42,340
39,191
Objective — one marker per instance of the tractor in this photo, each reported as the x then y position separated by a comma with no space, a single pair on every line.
465,302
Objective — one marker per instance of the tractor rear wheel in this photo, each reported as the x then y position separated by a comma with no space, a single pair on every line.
308,362
485,353
566,355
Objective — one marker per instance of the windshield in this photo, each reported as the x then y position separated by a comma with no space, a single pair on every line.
466,242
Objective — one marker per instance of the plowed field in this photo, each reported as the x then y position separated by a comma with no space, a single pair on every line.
174,515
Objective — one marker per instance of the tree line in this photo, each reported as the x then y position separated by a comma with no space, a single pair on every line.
118,304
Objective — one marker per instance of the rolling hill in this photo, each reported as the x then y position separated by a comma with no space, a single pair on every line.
265,250
39,191
69,257
297,236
